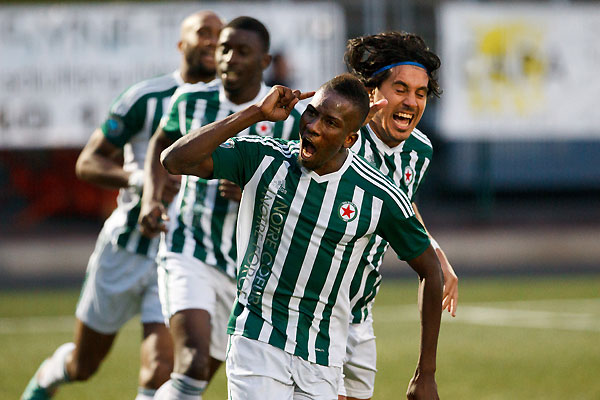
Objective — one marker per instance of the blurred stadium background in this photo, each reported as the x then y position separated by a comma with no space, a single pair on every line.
513,194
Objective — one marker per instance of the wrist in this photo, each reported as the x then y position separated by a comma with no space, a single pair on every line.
136,179
254,114
425,371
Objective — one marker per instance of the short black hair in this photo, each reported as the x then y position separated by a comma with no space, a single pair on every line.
350,87
367,54
252,25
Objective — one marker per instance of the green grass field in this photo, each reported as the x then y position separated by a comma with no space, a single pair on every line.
513,338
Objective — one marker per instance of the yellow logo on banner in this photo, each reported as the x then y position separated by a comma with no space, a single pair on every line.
507,70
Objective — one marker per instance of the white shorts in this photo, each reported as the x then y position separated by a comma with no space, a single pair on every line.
187,283
118,285
257,370
360,362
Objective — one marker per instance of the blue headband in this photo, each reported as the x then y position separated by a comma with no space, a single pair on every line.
416,64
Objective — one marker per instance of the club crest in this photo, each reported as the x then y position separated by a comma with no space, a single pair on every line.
264,128
409,175
347,211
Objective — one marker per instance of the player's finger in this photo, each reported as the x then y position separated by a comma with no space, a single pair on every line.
374,109
453,306
305,95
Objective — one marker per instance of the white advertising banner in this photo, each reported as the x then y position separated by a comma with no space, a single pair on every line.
62,65
519,71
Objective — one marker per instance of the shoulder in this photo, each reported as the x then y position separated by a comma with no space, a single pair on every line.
197,90
149,87
380,186
419,141
267,144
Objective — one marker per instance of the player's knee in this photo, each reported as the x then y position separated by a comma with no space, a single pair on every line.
155,372
194,363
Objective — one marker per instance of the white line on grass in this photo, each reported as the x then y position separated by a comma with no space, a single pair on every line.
490,314
487,314
37,325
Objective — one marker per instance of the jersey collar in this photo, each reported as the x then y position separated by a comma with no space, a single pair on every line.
264,89
384,148
332,176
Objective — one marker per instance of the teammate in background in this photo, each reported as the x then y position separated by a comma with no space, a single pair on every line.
121,275
308,211
198,256
400,68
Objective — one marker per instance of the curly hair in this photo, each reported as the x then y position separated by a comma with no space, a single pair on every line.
367,54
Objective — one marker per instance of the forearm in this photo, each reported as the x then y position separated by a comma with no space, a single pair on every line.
430,298
102,172
192,154
155,175
101,163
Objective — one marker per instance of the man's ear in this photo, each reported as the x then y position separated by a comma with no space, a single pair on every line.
179,45
371,91
266,61
351,138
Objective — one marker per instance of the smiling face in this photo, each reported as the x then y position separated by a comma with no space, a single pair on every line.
406,92
327,130
241,59
199,35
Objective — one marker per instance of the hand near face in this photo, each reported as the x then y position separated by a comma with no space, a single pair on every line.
279,102
375,107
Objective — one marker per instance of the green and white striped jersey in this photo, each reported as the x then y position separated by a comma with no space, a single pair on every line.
202,222
132,120
300,239
406,165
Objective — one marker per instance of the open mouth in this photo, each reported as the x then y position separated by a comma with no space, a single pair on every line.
307,149
403,119
229,74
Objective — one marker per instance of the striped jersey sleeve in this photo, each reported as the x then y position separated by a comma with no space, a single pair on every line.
237,162
129,112
192,106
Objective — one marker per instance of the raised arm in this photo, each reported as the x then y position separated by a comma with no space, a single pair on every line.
450,296
423,385
192,154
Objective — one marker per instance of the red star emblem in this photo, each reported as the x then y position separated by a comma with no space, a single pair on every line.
347,211
408,175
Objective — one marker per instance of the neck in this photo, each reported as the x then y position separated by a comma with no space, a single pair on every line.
334,164
383,136
190,76
244,94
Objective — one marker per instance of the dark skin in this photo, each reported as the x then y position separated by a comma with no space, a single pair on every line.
329,127
101,163
241,59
